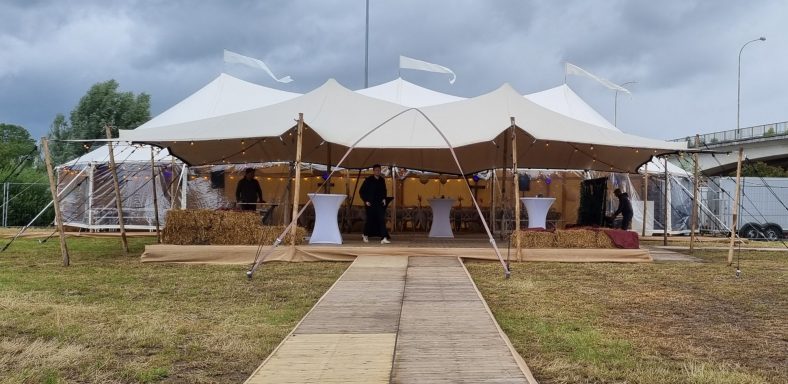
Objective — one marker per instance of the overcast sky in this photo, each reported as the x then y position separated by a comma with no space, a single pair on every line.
682,53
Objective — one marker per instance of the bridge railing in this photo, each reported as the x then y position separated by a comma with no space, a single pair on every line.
733,135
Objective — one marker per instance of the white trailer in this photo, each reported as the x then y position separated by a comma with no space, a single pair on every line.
763,212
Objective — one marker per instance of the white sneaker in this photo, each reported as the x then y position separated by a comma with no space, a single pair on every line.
385,241
365,238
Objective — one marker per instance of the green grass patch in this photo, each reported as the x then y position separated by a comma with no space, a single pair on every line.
110,318
672,322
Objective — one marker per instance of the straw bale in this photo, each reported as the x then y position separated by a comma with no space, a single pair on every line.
604,241
537,239
201,226
576,238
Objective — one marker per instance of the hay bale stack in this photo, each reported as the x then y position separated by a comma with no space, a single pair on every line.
576,238
604,241
537,239
201,226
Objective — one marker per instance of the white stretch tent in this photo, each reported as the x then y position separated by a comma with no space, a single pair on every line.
565,101
90,201
224,95
475,127
407,94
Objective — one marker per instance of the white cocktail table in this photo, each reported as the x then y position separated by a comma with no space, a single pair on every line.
326,229
537,208
441,225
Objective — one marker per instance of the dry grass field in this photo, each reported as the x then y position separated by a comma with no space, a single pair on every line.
674,322
108,318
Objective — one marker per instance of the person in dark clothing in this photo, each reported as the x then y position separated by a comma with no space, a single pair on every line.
248,192
373,193
624,208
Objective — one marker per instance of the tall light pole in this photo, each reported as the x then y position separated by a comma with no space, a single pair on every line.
738,87
366,51
615,103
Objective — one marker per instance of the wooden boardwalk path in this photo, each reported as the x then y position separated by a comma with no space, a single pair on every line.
397,319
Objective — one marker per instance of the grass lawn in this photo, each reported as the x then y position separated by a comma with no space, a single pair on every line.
109,318
672,322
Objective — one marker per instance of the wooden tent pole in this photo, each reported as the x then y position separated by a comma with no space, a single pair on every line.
492,201
736,202
696,186
118,200
55,202
297,188
155,195
327,183
645,199
665,210
172,182
516,190
394,195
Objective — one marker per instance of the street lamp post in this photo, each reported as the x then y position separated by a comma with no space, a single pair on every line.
738,87
615,103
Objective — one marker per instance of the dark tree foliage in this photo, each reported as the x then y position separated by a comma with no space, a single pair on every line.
103,105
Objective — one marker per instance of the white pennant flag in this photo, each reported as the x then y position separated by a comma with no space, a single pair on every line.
572,69
408,63
232,57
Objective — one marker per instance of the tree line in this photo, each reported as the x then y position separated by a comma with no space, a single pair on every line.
21,161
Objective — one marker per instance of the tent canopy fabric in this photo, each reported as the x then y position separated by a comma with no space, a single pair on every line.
475,127
565,101
225,94
123,152
405,93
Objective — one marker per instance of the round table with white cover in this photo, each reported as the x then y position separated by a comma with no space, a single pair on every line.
326,229
537,208
441,223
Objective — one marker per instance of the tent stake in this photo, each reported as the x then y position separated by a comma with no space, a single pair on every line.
56,202
118,199
297,187
155,198
516,190
735,211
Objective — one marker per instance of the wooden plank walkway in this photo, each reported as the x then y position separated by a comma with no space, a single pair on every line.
397,319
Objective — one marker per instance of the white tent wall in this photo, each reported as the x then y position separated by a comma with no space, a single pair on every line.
92,205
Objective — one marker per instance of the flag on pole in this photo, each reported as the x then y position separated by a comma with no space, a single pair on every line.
232,57
409,63
572,69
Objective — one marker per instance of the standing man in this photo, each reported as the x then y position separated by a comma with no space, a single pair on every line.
373,193
248,191
624,208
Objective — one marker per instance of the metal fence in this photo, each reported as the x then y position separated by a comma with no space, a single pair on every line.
749,133
21,202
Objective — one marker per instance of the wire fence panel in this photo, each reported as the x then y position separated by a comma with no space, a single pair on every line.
21,202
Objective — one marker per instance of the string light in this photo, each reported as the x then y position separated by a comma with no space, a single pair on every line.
592,147
191,143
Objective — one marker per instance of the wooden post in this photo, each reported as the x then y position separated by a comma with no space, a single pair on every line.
155,195
55,202
736,202
516,190
327,183
394,195
645,199
696,186
118,199
666,210
92,170
173,185
492,200
297,187
504,180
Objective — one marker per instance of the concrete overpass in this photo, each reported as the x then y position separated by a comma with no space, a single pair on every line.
767,143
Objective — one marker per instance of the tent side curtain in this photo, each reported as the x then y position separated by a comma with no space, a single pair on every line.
407,137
